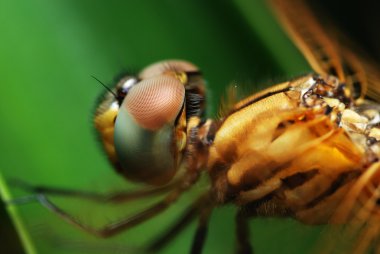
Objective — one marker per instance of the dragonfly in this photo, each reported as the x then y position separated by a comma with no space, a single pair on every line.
307,148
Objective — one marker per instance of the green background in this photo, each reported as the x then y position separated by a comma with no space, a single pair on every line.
49,50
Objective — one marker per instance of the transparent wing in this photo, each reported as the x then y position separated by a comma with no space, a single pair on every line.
359,215
355,226
327,50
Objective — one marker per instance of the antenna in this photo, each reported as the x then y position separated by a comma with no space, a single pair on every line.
106,87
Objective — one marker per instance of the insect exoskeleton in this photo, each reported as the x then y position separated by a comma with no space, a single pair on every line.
292,150
143,127
308,148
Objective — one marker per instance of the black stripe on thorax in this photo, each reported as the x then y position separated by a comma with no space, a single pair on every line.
293,181
260,98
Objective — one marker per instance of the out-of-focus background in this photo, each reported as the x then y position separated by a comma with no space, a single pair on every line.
49,50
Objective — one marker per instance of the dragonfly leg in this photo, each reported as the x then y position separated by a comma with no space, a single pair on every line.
115,227
202,228
181,223
117,197
128,222
242,233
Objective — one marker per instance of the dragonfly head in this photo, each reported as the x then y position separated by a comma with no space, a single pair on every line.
150,127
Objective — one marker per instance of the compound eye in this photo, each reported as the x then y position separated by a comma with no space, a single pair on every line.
166,67
155,102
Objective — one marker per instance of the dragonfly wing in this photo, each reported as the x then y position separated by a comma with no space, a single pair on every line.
355,225
327,50
309,37
330,52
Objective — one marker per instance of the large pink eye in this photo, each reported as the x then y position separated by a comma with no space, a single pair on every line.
155,102
161,68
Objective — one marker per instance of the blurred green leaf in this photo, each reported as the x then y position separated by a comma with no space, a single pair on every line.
49,50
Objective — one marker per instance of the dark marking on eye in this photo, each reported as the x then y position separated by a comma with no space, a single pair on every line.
179,114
